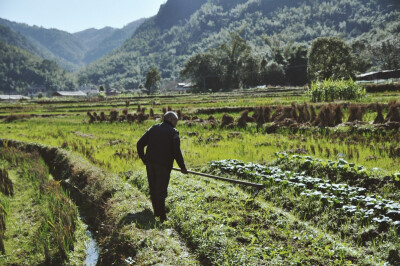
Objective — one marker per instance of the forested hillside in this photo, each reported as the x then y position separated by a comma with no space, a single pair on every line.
20,69
71,51
106,42
13,38
52,43
183,28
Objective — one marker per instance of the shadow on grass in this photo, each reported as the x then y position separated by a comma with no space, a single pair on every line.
143,220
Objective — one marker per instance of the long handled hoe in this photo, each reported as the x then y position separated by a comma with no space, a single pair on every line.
256,185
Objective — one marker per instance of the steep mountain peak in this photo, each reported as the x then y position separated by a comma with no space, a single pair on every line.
183,28
174,11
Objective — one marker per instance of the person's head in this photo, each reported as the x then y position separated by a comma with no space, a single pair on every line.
171,117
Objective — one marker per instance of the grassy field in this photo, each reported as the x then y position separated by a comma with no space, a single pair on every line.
214,223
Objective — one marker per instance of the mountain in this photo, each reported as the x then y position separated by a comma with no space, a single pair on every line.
62,45
183,28
107,39
92,37
71,51
20,69
13,38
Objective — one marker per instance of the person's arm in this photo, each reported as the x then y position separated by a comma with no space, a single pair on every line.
178,153
143,141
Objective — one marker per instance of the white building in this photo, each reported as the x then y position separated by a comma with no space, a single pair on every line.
12,98
183,87
69,94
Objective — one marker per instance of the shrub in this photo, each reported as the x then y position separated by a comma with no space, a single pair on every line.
331,90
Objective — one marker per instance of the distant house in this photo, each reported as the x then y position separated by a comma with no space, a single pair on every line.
183,87
114,92
12,98
69,94
377,75
90,91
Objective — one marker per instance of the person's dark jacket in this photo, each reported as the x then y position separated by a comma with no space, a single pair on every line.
163,146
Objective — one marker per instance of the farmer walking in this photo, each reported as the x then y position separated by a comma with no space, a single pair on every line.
163,146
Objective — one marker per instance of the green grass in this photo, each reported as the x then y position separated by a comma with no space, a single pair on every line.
368,149
212,222
227,226
41,219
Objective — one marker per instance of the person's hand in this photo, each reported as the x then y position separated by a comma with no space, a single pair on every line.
184,171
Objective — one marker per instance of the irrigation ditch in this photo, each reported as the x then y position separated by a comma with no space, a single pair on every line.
120,225
89,188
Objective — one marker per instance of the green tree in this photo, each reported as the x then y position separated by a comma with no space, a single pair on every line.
387,54
330,57
153,79
204,71
296,67
273,74
362,56
250,72
276,45
233,56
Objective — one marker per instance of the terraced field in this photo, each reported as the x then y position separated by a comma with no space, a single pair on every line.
331,193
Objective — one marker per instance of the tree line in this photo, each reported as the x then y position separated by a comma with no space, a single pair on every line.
234,65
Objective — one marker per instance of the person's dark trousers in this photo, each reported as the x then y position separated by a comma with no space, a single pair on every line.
158,177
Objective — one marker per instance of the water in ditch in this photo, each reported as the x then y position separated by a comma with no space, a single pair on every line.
92,250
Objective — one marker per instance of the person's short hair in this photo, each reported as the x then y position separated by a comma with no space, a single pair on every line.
170,116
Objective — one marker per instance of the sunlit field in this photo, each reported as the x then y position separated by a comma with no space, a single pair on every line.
330,197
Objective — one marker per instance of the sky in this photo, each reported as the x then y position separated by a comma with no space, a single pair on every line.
77,15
